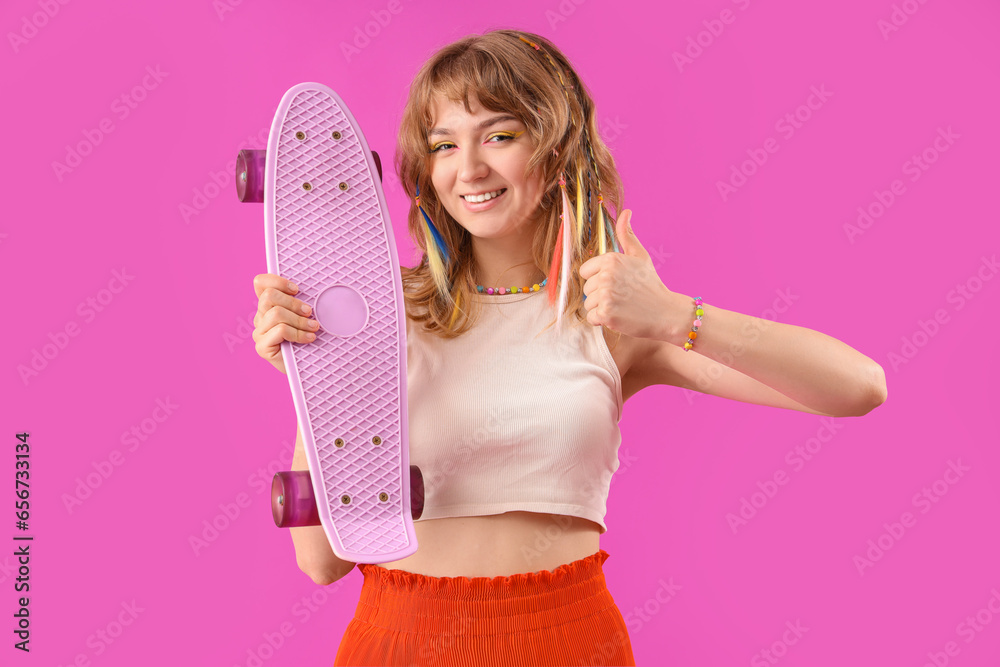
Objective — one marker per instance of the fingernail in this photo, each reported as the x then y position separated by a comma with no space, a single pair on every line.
292,286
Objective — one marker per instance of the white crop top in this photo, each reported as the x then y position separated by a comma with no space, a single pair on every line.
506,418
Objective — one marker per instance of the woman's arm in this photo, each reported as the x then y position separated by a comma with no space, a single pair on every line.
807,366
313,553
768,359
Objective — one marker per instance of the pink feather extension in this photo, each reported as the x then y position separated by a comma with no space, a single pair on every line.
552,283
567,254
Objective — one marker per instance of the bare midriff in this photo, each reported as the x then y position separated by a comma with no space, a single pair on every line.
498,544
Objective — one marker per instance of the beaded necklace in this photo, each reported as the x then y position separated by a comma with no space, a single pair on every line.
511,290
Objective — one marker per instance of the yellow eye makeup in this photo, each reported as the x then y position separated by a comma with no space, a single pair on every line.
505,135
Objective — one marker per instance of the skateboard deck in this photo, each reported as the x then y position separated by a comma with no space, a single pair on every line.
327,229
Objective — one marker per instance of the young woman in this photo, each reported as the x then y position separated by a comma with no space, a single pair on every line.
514,422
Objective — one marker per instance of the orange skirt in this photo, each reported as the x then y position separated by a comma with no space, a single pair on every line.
564,616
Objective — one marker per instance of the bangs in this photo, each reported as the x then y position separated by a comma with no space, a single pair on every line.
474,74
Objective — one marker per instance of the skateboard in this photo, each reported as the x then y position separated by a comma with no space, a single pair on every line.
327,229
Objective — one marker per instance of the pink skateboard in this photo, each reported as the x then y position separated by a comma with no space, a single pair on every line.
327,229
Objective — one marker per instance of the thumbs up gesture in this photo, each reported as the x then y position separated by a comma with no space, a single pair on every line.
625,293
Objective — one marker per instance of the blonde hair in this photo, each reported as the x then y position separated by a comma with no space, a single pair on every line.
506,75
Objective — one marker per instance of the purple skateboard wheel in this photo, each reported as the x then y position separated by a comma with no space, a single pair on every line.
292,500
293,503
250,175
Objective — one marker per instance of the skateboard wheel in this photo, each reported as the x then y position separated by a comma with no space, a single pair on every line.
416,492
293,503
292,500
250,175
378,164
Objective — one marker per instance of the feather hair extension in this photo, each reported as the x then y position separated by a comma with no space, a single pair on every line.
610,224
552,283
590,217
579,205
567,255
434,261
601,236
436,249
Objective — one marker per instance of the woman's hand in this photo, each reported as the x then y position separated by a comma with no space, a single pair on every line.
624,292
280,316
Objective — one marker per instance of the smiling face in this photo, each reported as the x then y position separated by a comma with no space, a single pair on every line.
478,153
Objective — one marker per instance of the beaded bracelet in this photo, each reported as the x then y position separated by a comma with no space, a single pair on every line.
698,312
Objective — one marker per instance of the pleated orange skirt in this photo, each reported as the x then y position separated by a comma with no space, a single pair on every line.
564,616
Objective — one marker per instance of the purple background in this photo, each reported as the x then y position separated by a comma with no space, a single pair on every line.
182,86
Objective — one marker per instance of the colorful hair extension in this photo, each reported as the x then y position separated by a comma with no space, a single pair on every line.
563,251
567,250
602,214
437,250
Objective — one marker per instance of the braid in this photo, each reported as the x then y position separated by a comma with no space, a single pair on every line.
567,240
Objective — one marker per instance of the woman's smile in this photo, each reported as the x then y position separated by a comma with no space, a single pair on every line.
475,206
